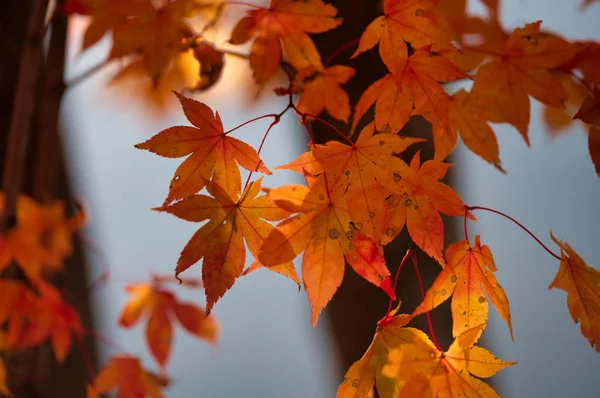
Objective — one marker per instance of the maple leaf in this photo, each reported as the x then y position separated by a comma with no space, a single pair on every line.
582,284
414,89
213,153
366,372
161,306
322,229
418,200
156,36
468,277
467,118
403,21
284,25
220,242
125,373
423,370
320,90
366,258
590,113
48,318
503,85
361,172
106,15
42,237
557,119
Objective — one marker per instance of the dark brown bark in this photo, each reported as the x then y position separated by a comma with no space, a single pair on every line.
358,305
32,161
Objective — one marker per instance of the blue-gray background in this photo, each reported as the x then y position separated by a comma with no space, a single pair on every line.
267,347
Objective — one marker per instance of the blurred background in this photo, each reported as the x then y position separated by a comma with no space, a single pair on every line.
267,347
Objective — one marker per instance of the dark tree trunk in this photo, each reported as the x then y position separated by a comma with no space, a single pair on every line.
32,161
358,305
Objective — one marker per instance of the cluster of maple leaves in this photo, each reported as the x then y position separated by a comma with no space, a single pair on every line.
360,192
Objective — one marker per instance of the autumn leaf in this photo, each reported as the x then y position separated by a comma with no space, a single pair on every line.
220,242
322,229
423,370
213,153
466,117
283,27
362,173
557,119
106,15
582,284
156,37
503,85
415,89
49,318
468,277
42,237
161,307
404,21
126,375
366,372
366,258
320,90
417,202
590,113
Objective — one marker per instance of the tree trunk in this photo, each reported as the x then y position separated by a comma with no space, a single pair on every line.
32,162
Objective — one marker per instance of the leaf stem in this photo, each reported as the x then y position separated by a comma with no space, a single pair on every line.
427,315
344,136
340,50
465,222
406,256
467,208
85,357
105,340
273,115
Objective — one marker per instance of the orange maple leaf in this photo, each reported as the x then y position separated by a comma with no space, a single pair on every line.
220,242
320,90
125,373
521,69
366,259
423,370
161,306
45,317
284,24
42,237
155,35
363,173
213,152
322,229
403,21
467,118
590,113
469,274
582,284
418,200
414,89
366,372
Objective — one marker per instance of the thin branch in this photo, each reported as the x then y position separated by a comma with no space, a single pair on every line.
556,256
86,74
427,315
